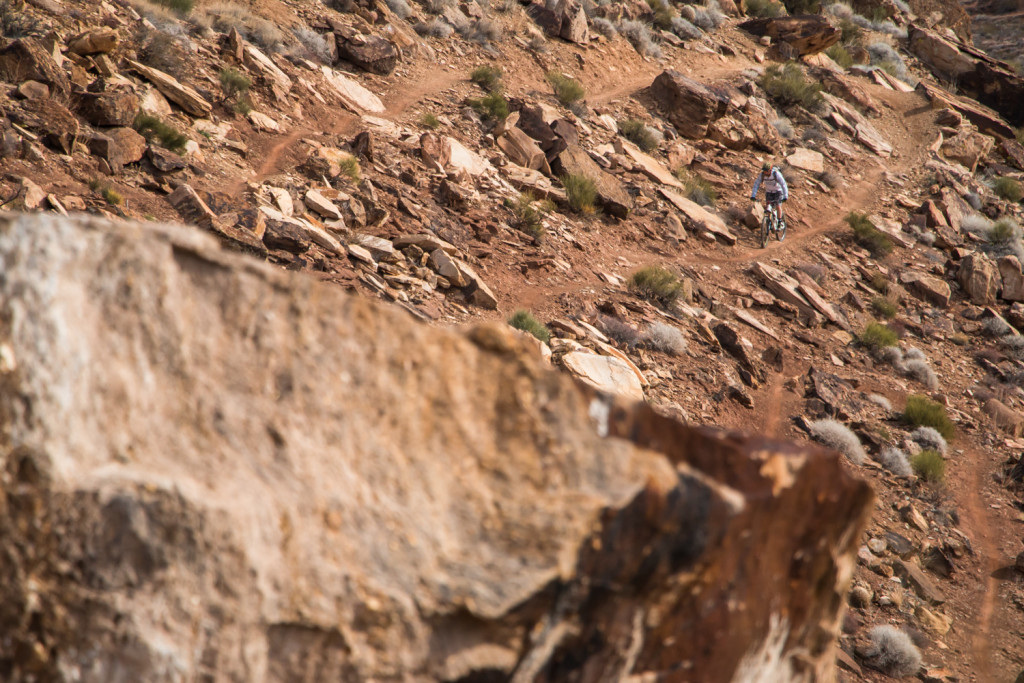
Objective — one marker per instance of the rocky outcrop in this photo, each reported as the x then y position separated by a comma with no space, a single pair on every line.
801,35
979,278
610,192
218,469
990,81
561,19
690,106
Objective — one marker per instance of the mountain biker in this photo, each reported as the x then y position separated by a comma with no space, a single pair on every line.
775,190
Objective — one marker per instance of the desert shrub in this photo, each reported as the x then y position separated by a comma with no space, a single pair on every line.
153,128
645,137
784,127
929,438
877,336
492,106
1007,188
581,192
242,106
527,217
976,224
880,401
430,121
920,370
604,27
487,77
225,16
892,652
867,235
886,58
996,327
895,461
813,271
831,178
840,56
439,6
892,355
929,465
435,28
656,284
883,307
400,8
15,22
182,7
109,194
803,6
162,51
663,14
350,168
1003,231
568,90
234,83
684,29
639,36
313,43
619,331
665,338
698,189
838,437
483,31
765,8
914,353
524,320
789,86
921,411
709,17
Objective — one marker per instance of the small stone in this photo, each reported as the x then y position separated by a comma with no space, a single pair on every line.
877,546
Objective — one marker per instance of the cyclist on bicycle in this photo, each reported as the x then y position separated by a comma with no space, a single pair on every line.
775,190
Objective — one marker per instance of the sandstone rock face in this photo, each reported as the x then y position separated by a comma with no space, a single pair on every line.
216,469
690,106
967,147
979,278
1012,278
109,109
803,35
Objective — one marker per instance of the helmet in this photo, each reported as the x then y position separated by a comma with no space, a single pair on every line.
766,166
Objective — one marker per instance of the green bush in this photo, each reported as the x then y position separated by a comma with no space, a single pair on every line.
152,127
1002,231
803,6
492,106
1007,188
929,465
868,236
569,91
883,307
487,77
524,320
698,189
765,8
234,83
921,411
242,106
789,86
656,284
581,192
350,167
640,134
878,336
182,7
430,121
880,283
527,218
840,56
111,196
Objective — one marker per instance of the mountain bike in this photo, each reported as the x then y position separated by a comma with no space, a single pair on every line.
772,223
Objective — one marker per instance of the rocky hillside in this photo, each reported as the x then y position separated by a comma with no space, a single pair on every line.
583,171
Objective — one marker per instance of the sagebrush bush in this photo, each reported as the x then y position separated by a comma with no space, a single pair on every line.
568,90
886,58
883,307
877,336
619,331
929,438
527,217
182,7
313,43
920,370
435,28
350,168
581,192
639,36
1007,188
487,77
604,27
975,224
867,235
1003,231
880,401
225,16
152,127
921,411
645,137
656,284
684,29
914,353
892,652
666,338
524,320
765,8
491,107
234,83
996,327
840,55
483,31
838,437
709,17
698,188
400,8
895,461
930,466
803,6
789,86
784,127
429,120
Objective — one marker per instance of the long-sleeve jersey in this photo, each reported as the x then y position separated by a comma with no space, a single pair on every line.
773,183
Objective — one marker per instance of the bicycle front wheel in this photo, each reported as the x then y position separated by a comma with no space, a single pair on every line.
782,228
766,226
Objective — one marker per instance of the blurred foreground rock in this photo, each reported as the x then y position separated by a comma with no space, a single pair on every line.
217,470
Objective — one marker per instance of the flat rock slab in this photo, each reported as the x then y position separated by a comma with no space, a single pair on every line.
353,96
807,160
182,95
604,373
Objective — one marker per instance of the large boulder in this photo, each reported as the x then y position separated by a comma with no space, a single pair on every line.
611,194
57,127
1012,279
805,34
368,52
967,147
108,108
263,478
27,59
690,106
979,278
